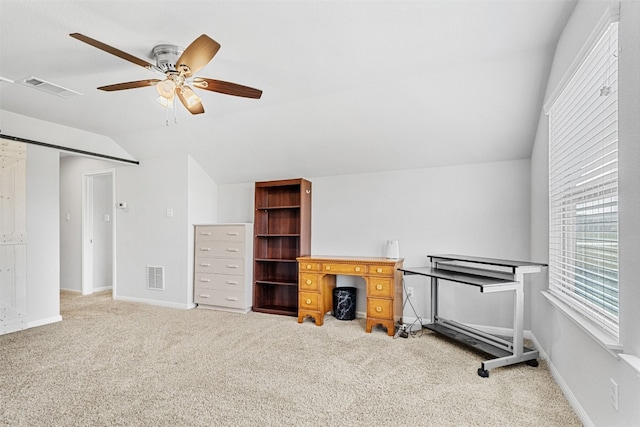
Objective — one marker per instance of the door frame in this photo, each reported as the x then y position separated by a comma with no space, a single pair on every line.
87,229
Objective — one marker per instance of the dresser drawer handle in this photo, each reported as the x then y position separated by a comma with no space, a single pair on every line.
328,267
205,233
232,265
308,266
232,282
204,295
232,233
378,270
205,249
205,280
308,301
357,269
379,287
232,250
205,264
309,281
232,299
379,309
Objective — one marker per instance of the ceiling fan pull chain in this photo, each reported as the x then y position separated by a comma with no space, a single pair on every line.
175,116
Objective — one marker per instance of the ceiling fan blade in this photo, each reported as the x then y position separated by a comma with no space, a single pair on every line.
197,55
227,88
193,105
116,52
129,85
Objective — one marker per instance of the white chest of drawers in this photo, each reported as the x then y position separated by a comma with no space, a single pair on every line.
223,267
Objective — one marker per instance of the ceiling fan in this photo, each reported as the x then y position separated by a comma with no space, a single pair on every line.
178,66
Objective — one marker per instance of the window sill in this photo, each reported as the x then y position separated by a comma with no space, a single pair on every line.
633,361
609,343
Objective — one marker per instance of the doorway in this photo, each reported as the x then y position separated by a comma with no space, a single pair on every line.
98,232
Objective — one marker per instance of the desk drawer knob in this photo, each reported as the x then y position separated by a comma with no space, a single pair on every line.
308,266
378,309
328,267
357,268
379,287
308,301
309,281
378,270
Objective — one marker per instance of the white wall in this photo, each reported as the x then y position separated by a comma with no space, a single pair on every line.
202,209
146,236
583,367
71,170
480,209
43,236
51,133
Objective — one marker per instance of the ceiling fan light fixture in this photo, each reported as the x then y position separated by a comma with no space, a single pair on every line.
166,88
165,102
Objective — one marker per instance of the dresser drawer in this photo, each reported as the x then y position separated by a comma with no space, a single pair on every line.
380,287
206,249
227,233
379,308
219,281
220,298
220,266
309,282
382,270
334,268
308,301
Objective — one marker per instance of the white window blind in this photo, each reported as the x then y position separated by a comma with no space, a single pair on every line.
583,187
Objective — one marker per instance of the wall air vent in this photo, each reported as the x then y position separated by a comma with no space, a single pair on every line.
155,277
49,88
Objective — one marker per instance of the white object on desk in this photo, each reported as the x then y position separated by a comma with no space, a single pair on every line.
393,251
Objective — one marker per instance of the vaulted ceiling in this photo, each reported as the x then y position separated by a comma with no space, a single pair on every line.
348,86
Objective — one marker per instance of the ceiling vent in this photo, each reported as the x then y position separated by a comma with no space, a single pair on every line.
155,277
47,87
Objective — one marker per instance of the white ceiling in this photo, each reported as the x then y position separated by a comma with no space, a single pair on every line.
348,86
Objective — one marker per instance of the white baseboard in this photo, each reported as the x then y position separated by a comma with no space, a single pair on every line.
103,288
75,291
573,401
42,322
153,302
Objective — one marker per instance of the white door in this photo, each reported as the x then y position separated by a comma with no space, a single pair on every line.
13,237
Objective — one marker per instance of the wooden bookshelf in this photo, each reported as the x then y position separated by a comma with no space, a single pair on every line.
282,232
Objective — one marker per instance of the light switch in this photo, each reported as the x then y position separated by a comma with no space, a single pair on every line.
169,213
68,217
107,218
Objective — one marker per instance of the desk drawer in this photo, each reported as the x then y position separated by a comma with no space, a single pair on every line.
381,270
309,282
308,301
380,287
334,268
309,266
227,233
208,249
379,308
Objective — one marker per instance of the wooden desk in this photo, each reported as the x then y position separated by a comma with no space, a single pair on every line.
317,279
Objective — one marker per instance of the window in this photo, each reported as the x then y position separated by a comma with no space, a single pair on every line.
583,187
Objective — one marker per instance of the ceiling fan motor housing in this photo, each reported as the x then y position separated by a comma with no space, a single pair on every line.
166,56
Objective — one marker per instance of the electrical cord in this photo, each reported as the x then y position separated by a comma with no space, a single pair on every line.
404,330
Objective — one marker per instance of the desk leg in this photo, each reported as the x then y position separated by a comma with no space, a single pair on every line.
434,299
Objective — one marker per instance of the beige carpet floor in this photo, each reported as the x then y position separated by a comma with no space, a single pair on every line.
114,363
